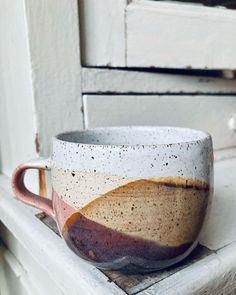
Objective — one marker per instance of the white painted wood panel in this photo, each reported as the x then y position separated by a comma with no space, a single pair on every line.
17,111
34,270
54,46
40,80
213,275
103,32
96,80
220,225
14,279
12,284
210,113
177,35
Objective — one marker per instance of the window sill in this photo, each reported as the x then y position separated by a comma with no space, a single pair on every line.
210,275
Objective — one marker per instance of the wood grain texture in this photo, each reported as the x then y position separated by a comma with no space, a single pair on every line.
53,40
210,113
174,35
96,80
103,32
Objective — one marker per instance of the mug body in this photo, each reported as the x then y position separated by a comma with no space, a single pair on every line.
132,198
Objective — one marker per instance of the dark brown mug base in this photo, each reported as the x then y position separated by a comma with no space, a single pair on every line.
109,249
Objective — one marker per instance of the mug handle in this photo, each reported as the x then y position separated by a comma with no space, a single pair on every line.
26,196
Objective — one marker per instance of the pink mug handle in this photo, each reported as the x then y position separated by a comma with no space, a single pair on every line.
26,196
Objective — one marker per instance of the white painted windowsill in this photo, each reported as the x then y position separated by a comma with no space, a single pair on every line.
214,274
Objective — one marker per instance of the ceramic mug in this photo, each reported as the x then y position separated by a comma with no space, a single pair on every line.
130,198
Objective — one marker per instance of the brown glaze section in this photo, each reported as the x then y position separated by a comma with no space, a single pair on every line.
181,182
147,209
151,220
98,243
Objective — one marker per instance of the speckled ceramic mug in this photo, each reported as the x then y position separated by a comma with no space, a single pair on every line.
131,198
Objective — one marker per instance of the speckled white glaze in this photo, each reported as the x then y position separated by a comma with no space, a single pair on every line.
89,163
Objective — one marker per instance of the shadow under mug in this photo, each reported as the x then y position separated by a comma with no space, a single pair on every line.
129,198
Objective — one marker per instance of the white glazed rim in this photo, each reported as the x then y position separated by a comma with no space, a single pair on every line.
201,136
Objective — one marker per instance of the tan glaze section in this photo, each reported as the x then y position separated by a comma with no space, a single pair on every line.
78,188
168,210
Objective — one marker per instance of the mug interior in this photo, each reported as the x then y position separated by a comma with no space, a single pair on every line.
134,135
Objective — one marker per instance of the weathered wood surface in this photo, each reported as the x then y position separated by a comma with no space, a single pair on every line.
158,34
102,26
55,67
95,80
17,114
131,283
179,35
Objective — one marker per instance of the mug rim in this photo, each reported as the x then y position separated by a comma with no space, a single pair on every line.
202,136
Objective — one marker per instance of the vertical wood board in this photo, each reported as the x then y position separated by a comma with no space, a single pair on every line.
17,111
53,34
